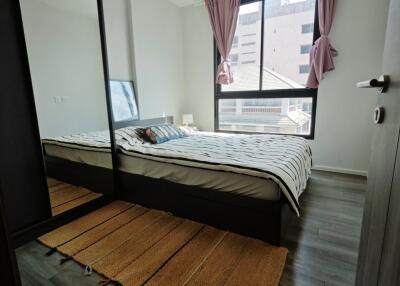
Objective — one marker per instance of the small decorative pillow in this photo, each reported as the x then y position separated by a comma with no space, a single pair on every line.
162,133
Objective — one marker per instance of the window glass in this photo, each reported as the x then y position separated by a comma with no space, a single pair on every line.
304,69
283,38
248,32
266,115
305,49
235,42
270,59
307,28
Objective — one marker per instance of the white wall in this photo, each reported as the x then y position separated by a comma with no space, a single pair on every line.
117,18
158,48
344,113
199,70
65,62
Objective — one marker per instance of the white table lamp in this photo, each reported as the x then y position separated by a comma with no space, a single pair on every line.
187,119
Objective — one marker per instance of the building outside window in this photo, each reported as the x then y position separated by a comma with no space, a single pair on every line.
248,18
307,28
248,44
235,42
233,59
304,69
305,49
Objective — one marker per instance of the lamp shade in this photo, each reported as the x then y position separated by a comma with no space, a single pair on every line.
187,119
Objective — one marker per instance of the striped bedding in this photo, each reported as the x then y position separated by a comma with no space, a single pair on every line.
284,159
91,141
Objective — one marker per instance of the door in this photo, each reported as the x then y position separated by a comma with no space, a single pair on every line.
379,262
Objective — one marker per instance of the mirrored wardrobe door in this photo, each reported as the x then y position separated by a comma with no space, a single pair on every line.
63,41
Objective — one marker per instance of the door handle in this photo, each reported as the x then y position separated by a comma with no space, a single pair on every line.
381,84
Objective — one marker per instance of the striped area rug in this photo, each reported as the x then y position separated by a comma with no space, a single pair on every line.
133,245
64,197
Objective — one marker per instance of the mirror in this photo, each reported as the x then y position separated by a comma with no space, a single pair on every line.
66,62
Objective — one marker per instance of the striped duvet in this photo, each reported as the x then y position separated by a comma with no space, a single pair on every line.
284,159
91,141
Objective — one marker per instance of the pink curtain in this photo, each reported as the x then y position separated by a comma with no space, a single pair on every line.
223,17
322,53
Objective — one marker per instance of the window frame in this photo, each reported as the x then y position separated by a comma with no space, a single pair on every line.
260,93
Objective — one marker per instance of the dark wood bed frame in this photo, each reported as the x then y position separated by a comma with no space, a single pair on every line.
265,220
262,219
97,179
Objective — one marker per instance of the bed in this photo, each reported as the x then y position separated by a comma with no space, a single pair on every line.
82,159
247,184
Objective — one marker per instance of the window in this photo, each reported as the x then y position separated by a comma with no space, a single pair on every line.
307,28
234,58
269,94
274,115
304,69
248,18
305,49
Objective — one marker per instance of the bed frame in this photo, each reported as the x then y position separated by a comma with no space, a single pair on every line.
262,219
97,179
266,220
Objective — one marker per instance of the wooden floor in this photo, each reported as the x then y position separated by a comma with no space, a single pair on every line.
323,243
64,197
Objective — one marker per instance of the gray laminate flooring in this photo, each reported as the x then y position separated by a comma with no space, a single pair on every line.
36,269
322,243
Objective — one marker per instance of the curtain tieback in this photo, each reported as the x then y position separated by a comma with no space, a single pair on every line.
224,74
325,38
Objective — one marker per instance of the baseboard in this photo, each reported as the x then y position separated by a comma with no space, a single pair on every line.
340,170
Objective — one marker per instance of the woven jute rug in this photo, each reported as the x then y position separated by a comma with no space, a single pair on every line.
133,245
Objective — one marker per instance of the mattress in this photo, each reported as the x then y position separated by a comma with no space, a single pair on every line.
89,157
211,179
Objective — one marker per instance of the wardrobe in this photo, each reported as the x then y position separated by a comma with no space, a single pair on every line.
25,201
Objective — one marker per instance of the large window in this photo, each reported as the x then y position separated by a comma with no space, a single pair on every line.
271,63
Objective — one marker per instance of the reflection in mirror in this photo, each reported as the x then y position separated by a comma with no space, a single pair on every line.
65,57
123,100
